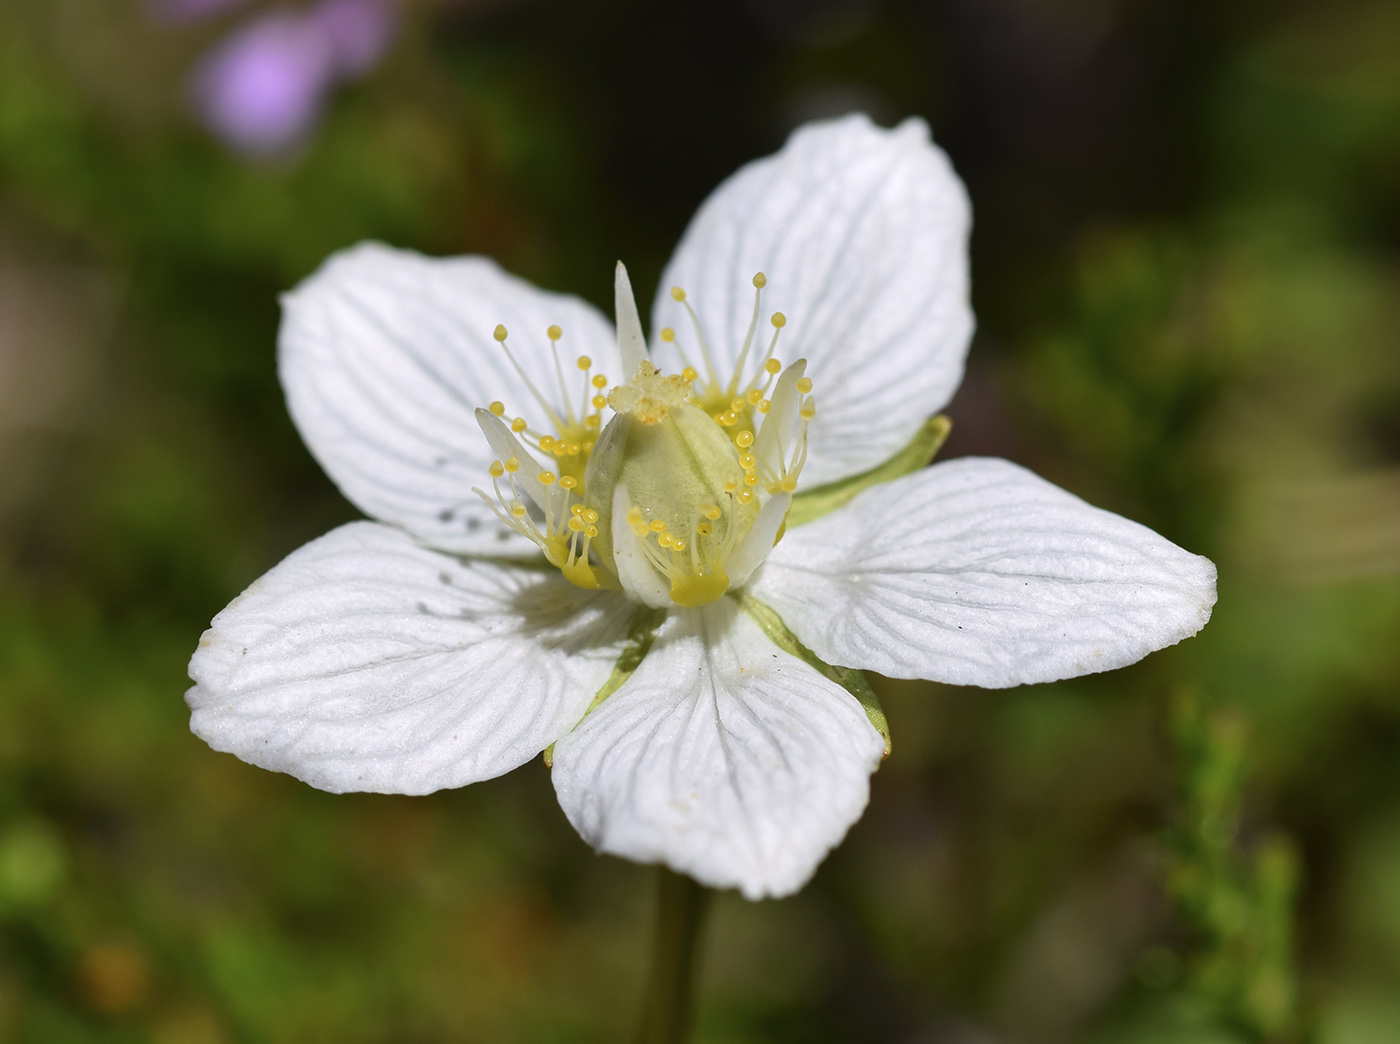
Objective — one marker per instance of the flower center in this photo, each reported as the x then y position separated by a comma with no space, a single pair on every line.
683,492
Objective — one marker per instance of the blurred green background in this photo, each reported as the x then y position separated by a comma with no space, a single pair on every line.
1186,270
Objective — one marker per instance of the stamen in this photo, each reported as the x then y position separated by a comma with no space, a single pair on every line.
677,294
554,333
759,282
500,335
771,364
668,336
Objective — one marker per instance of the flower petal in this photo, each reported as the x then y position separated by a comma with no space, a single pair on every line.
385,354
722,756
977,572
862,235
366,662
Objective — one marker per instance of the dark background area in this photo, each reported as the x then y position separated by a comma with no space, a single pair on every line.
1186,272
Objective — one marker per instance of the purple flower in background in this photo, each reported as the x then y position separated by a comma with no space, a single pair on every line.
189,10
358,32
263,88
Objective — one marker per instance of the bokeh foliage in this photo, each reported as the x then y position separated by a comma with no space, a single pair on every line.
1186,267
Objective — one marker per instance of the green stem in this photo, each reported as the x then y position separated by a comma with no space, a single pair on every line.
680,912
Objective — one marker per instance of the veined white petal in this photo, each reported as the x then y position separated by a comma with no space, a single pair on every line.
722,756
365,662
978,572
862,235
385,354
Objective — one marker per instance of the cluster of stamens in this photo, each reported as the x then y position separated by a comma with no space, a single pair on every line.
575,431
763,413
566,527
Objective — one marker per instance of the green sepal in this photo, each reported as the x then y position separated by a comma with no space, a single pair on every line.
813,504
853,681
640,635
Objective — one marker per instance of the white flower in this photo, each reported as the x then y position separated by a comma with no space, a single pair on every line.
605,589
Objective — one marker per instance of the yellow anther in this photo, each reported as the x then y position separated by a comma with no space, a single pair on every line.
546,442
772,366
497,408
497,469
744,496
599,401
512,464
634,516
779,320
600,381
755,396
728,419
731,484
688,374
546,478
588,445
568,482
592,420
704,529
804,384
667,334
679,545
517,509
763,406
677,294
591,532
748,461
499,333
640,530
736,406
575,509
658,525
518,425
760,281
590,515
575,449
750,479
788,485
561,448
665,540
554,333
744,439
585,363
807,412
577,525
712,512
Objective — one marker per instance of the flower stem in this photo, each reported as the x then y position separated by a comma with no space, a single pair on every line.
680,912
